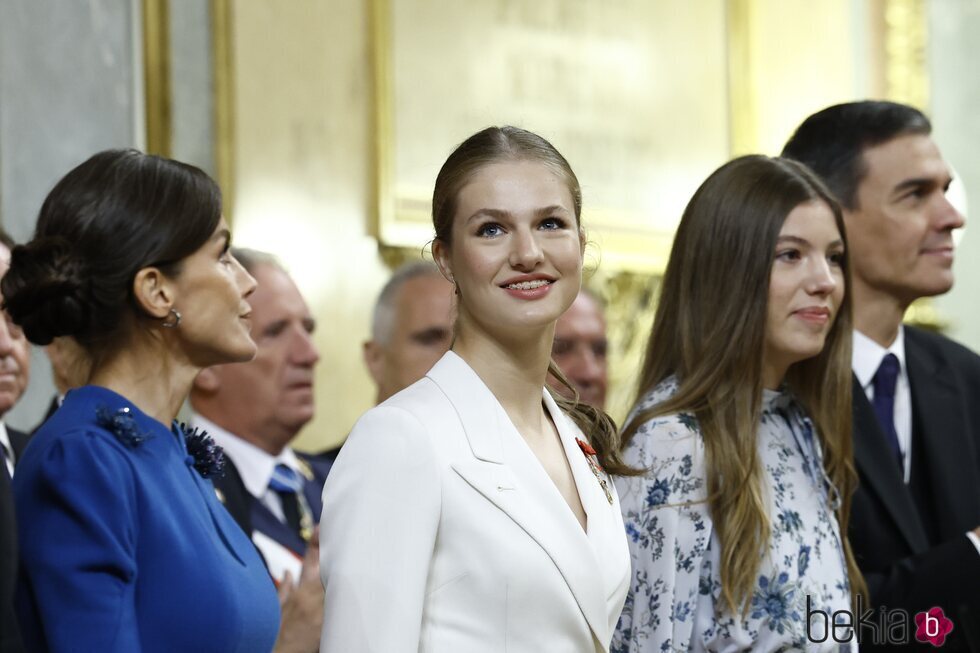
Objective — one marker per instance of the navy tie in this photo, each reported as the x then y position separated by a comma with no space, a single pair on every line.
884,381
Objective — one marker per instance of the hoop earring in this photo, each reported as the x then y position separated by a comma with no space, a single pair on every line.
176,321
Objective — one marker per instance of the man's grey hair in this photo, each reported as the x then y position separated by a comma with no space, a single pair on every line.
382,320
253,258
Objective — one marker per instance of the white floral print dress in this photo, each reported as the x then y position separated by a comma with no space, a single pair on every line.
674,602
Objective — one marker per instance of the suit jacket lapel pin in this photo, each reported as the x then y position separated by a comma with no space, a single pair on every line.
306,469
600,474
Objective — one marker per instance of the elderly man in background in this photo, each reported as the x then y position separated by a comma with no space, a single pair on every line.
15,369
14,373
580,348
253,411
411,327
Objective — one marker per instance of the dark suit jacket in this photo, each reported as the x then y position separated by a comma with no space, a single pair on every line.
18,440
252,515
9,632
910,540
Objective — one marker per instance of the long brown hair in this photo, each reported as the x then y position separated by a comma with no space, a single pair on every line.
709,331
494,145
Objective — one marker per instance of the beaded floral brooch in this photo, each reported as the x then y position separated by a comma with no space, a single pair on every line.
121,424
206,456
209,457
600,474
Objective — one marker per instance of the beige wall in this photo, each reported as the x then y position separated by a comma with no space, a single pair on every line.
302,170
791,58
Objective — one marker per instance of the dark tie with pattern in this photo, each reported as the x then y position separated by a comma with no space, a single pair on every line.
884,382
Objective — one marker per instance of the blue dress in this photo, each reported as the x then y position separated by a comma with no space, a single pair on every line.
674,602
124,546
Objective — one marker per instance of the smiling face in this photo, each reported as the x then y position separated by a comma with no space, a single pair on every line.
15,360
210,295
806,288
269,399
516,250
901,231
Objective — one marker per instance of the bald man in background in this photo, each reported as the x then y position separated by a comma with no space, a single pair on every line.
411,327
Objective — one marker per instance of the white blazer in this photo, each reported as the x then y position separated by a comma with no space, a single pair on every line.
441,532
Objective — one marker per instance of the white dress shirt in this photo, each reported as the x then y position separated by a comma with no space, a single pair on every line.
867,356
8,449
254,465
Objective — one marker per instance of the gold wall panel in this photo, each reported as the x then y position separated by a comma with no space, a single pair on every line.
788,59
632,92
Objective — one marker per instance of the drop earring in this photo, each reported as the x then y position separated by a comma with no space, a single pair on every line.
172,324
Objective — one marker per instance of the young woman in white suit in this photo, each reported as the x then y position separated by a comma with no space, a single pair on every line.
473,511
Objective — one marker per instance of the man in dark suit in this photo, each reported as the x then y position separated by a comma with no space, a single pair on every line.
915,521
254,410
14,373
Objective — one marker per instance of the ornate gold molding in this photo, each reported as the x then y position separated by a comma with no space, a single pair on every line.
630,302
156,74
224,101
906,41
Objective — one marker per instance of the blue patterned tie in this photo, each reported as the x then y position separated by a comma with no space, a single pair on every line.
884,381
285,479
289,485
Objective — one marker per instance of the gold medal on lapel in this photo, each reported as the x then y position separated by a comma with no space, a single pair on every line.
600,474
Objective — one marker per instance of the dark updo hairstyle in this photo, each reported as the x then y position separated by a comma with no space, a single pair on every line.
507,144
116,213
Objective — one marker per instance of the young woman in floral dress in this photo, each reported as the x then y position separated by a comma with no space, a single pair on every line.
742,424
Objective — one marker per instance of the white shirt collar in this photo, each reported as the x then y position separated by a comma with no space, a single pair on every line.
254,465
867,354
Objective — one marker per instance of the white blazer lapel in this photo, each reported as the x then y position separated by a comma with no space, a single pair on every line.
508,474
605,525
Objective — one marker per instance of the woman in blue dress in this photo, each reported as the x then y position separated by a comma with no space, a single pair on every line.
742,425
124,546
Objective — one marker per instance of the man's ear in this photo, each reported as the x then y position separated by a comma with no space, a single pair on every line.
374,360
207,381
441,255
154,292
